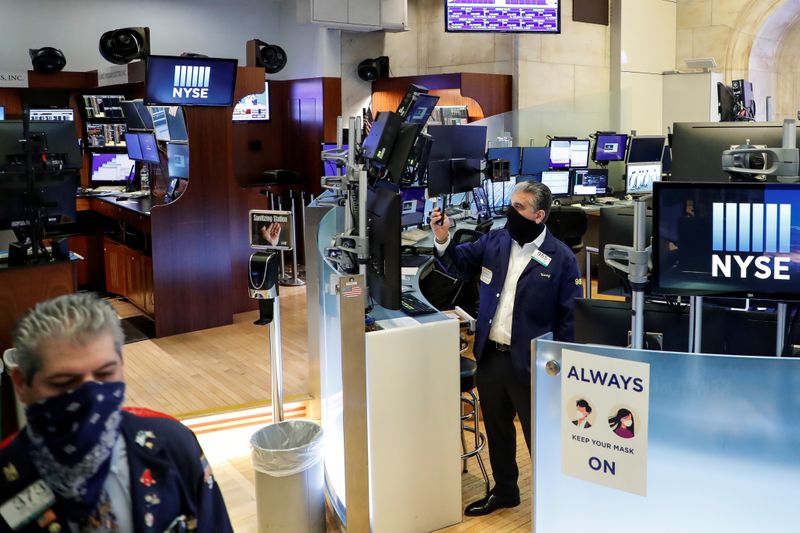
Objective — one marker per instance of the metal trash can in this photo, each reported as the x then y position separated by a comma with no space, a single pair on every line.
290,491
9,358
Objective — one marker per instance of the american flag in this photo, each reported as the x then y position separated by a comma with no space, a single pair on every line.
366,121
351,290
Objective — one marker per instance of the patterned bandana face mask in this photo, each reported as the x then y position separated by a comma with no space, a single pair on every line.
72,437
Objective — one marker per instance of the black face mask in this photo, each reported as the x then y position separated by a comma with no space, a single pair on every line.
521,229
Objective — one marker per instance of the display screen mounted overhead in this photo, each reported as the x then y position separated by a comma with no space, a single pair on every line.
190,81
511,16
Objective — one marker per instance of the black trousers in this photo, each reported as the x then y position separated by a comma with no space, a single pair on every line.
503,395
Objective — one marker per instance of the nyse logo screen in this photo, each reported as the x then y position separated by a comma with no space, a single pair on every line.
190,81
728,239
751,240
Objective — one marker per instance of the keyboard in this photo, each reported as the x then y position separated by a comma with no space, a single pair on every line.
414,235
412,306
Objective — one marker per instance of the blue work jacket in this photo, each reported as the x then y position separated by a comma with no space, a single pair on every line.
545,295
172,487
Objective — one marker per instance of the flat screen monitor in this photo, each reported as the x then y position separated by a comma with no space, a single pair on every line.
178,160
169,123
589,182
61,141
133,146
439,178
505,16
413,206
465,174
111,169
145,147
196,81
697,146
735,239
51,115
2,112
137,117
557,181
579,153
513,155
460,141
421,108
646,149
253,107
53,195
640,177
610,147
535,160
559,153
383,266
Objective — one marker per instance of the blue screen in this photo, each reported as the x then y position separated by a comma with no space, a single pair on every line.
190,81
535,160
610,147
178,160
727,239
512,155
147,143
134,148
2,112
413,206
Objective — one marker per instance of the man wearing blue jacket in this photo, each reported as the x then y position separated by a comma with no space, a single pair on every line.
528,284
83,463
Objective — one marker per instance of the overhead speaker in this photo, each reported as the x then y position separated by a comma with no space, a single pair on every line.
374,69
47,59
125,45
270,56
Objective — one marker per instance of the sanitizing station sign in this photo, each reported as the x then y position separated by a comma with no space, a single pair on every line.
604,420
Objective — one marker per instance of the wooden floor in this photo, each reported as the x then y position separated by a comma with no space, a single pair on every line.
217,369
227,368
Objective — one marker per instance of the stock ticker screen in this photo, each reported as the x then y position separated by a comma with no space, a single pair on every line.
514,16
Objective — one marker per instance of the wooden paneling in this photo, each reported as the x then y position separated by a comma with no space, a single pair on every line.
90,271
190,237
484,95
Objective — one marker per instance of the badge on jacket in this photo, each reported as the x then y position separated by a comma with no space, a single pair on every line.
486,275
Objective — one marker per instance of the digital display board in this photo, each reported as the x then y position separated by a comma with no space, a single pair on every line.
189,81
512,16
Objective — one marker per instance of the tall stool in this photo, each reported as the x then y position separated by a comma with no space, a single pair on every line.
471,419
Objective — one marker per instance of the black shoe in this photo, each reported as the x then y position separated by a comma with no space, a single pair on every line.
490,504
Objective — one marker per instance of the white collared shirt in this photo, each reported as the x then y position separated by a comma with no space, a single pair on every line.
520,256
118,487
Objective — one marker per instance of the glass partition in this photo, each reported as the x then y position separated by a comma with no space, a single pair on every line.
723,452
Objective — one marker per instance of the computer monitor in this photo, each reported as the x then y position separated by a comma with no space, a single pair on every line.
377,146
111,169
400,154
557,181
640,177
54,198
589,182
60,139
459,141
408,99
51,115
253,107
145,147
383,267
169,123
133,146
735,239
178,160
666,161
439,178
610,147
535,160
413,206
195,81
727,103
137,117
646,149
697,146
421,108
2,112
559,153
465,174
512,154
579,153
